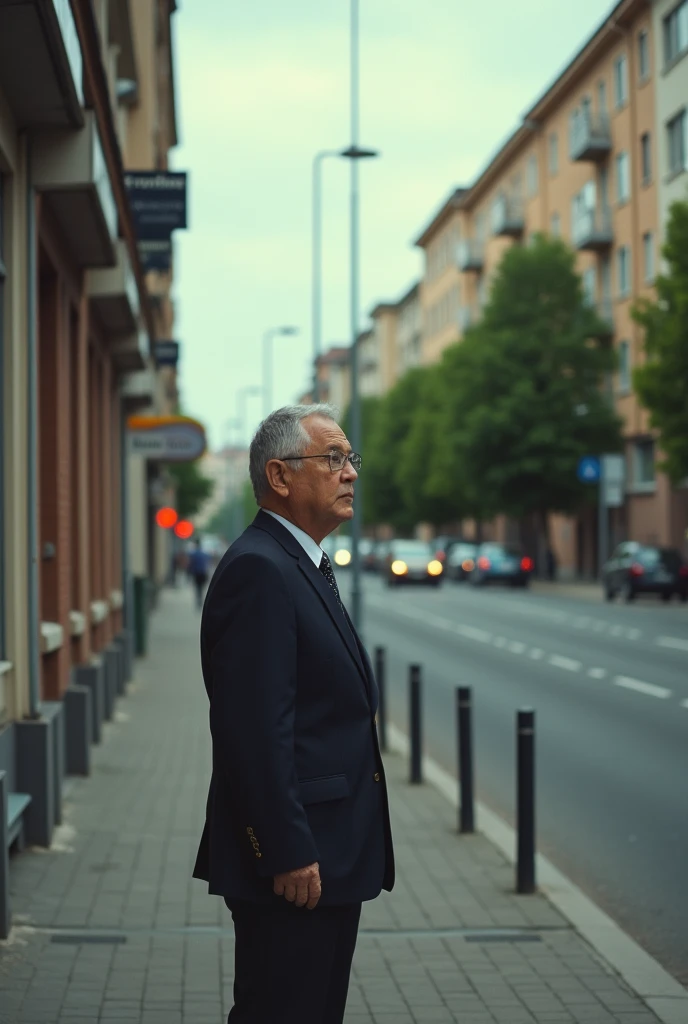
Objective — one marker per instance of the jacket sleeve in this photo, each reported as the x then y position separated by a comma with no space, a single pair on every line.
252,638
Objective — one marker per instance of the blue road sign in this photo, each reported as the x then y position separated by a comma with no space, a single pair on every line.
589,469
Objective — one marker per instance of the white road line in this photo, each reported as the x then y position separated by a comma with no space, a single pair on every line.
684,703
597,673
599,627
633,634
516,647
649,689
674,643
559,661
473,633
536,653
617,631
499,641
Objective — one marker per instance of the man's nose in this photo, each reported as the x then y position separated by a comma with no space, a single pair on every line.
348,472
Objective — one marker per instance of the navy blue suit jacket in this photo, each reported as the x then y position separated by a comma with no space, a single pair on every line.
297,774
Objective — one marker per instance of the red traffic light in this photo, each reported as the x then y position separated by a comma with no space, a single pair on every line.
184,529
166,518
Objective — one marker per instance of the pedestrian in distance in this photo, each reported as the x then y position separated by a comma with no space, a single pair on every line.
297,833
197,568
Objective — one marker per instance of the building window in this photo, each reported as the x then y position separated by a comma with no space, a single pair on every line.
620,81
623,182
643,56
648,257
624,367
602,96
676,33
3,274
532,176
677,137
589,281
553,153
555,225
646,157
623,264
644,463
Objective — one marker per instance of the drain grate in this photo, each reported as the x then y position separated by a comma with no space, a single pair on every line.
476,935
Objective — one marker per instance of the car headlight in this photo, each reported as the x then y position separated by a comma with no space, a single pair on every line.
399,567
435,567
342,557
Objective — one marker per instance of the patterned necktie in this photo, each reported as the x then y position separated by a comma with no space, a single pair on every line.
326,570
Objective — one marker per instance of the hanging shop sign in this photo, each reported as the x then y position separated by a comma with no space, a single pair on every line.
158,202
166,353
166,438
155,254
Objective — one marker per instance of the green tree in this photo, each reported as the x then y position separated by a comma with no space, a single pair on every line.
234,516
662,382
521,398
192,487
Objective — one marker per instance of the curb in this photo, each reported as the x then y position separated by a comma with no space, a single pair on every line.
662,994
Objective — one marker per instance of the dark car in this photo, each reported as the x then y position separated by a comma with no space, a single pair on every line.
460,561
644,569
501,563
442,546
411,561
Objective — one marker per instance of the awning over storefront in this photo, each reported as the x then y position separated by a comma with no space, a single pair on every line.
114,294
131,352
47,90
69,169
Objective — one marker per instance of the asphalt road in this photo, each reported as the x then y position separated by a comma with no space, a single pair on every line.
610,687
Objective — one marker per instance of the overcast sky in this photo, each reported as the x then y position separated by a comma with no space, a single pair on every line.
264,85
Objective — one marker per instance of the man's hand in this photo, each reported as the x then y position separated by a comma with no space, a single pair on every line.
301,887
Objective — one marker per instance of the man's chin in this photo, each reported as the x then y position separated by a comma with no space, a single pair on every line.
345,511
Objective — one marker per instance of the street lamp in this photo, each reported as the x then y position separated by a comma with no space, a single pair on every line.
354,153
270,334
241,397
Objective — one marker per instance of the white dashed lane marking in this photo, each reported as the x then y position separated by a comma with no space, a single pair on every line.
537,653
570,664
597,673
674,643
649,689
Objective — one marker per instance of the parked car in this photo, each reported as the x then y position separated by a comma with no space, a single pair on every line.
460,561
501,563
443,545
644,569
411,561
366,553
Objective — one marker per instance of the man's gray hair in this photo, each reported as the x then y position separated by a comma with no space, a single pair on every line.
280,435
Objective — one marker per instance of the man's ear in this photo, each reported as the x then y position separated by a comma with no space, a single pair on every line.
278,477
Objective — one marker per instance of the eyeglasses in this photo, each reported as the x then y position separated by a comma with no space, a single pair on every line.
337,460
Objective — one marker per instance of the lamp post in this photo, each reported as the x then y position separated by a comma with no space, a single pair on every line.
241,397
316,260
268,337
354,153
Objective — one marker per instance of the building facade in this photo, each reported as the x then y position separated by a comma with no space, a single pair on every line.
589,164
77,323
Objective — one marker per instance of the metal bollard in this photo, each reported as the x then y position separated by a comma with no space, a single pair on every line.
382,702
464,736
525,813
415,730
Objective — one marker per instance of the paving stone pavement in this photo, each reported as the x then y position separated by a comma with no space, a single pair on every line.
111,928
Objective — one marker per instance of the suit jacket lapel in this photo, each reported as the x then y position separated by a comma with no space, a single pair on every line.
326,594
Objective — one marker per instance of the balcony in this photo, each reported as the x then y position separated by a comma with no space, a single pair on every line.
470,254
507,217
592,230
69,169
131,352
138,390
114,294
605,314
591,138
45,91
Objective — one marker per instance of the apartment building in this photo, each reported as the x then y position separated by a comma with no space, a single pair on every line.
77,325
670,55
585,164
409,336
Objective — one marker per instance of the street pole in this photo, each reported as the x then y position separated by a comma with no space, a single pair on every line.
355,426
268,338
602,522
316,268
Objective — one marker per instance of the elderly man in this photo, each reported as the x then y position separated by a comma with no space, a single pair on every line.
297,830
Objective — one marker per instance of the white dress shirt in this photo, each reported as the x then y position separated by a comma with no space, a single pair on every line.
313,550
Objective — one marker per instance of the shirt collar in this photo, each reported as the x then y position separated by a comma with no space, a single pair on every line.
313,550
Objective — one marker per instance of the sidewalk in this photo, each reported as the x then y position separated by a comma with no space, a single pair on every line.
110,927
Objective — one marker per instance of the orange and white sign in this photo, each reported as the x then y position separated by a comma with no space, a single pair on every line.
166,438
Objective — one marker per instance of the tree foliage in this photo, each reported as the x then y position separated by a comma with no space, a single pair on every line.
662,382
192,487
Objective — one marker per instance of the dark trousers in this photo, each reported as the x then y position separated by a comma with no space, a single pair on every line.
292,965
199,584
